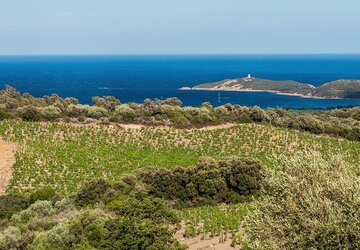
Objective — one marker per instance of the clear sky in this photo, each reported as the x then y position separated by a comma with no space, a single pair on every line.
179,26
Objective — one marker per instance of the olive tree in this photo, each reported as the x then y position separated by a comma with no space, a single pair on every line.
50,112
310,203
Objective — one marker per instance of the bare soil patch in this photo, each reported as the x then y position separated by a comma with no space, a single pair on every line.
7,160
207,243
220,126
134,126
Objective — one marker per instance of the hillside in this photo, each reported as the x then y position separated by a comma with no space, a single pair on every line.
84,152
91,187
346,89
156,175
341,89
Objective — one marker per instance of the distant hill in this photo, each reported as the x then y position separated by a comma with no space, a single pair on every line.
345,89
341,89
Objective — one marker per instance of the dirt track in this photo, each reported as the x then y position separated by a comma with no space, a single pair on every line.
7,160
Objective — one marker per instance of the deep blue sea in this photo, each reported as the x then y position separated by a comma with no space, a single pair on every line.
134,78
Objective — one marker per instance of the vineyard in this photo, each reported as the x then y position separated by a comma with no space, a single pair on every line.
64,156
222,223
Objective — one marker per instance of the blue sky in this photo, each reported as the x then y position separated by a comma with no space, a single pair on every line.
179,26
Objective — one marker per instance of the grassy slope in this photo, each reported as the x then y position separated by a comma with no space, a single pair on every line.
64,156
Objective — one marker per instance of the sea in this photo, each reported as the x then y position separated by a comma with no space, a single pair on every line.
133,78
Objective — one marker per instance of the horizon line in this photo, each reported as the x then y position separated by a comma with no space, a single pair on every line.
177,54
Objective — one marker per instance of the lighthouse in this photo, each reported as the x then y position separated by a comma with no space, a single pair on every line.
248,78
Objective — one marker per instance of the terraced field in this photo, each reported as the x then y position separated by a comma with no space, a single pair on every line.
64,156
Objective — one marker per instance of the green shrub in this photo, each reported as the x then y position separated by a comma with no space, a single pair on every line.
71,100
77,110
50,113
69,234
222,112
97,112
41,224
44,194
29,113
136,224
142,224
37,210
258,115
3,112
147,208
311,124
10,238
84,245
11,204
92,192
125,113
107,102
173,101
356,116
207,182
244,176
129,233
180,120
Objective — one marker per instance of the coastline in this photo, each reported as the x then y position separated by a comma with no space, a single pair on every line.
264,91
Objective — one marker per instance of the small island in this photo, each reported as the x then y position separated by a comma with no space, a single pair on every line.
340,89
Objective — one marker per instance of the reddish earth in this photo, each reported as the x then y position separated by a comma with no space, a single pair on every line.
7,160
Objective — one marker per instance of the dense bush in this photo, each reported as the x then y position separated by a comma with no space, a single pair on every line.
108,103
243,176
29,113
50,113
100,190
173,101
77,110
97,112
142,224
10,238
39,209
92,192
3,112
207,182
134,223
10,204
88,225
125,113
311,203
44,194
